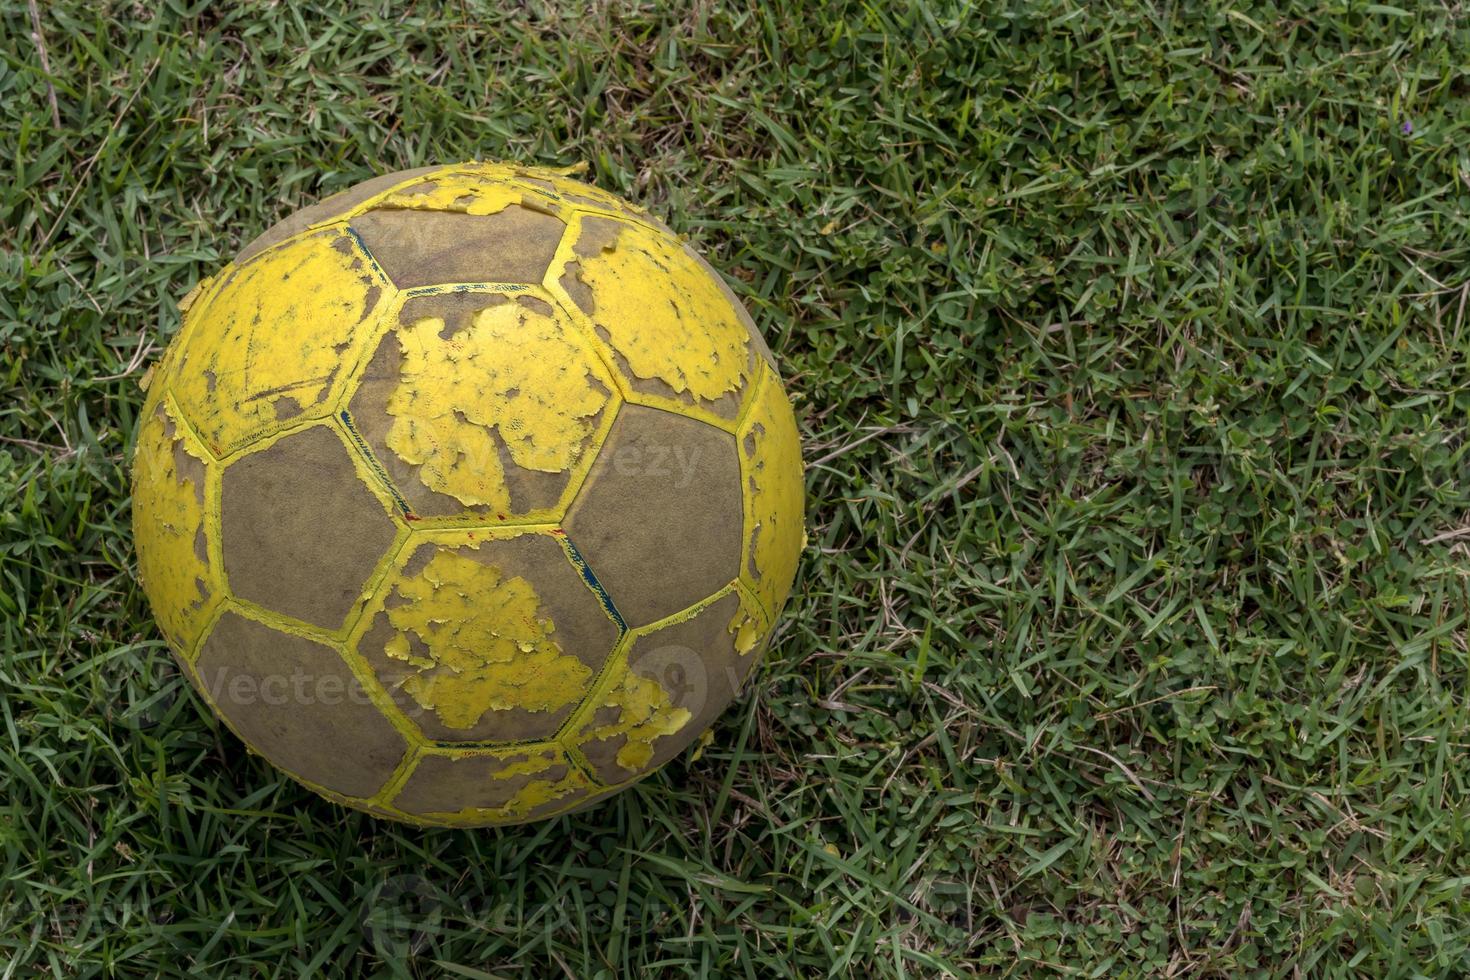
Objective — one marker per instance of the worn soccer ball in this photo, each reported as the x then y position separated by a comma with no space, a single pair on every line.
467,496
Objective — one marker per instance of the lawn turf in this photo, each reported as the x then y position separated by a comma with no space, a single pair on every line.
1129,346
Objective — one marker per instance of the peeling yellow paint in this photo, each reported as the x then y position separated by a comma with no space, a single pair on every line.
191,295
570,784
584,195
484,187
702,743
646,713
169,528
462,193
516,375
539,792
746,629
549,188
771,473
489,646
524,763
665,316
272,340
488,186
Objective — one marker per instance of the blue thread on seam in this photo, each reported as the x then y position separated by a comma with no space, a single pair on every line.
592,582
372,461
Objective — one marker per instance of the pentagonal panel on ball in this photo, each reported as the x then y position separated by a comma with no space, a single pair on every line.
301,532
659,518
486,639
482,405
671,685
297,703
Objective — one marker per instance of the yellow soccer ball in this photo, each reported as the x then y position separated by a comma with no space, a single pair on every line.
467,496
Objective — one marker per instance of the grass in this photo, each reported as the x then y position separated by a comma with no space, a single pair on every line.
1129,346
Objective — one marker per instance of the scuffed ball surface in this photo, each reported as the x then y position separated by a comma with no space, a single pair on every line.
467,496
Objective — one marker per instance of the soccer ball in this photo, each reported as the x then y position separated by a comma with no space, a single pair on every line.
467,496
